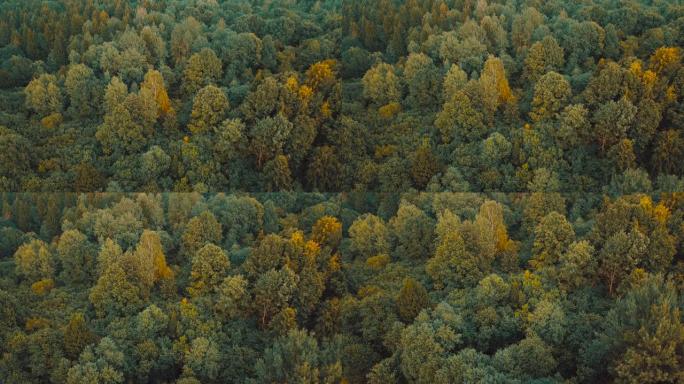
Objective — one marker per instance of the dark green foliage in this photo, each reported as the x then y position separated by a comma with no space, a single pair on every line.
269,95
308,287
382,191
412,299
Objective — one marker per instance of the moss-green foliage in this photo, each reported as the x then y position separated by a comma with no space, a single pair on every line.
453,287
303,98
383,191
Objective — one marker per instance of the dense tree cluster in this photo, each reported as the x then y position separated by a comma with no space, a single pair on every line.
314,288
376,191
381,96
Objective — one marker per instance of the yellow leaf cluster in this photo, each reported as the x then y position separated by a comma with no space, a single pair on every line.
378,262
154,82
35,323
325,109
523,312
505,94
320,73
292,83
531,280
103,16
649,78
41,287
646,203
334,264
297,238
384,151
312,249
305,92
637,277
188,310
51,121
161,269
327,230
494,72
660,212
671,94
503,242
663,57
390,110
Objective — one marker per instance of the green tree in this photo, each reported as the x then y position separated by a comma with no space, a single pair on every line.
611,122
621,253
412,299
77,257
552,236
529,359
120,134
421,354
551,93
459,121
423,80
524,25
273,291
454,81
414,232
183,37
200,230
424,165
325,170
209,266
103,363
83,90
578,266
241,216
453,265
115,294
574,127
15,159
381,85
202,359
542,57
208,110
640,336
468,50
115,94
77,336
109,252
233,297
229,139
268,137
202,69
43,95
297,357
34,261
651,349
669,145
369,236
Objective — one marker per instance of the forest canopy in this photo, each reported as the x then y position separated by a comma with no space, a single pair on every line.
344,191
332,96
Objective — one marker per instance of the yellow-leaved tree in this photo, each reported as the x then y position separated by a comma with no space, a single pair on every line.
154,83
